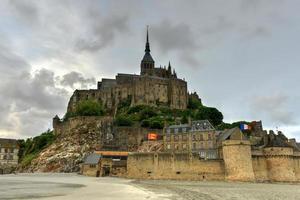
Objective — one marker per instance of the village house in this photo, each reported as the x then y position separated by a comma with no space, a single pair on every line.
9,158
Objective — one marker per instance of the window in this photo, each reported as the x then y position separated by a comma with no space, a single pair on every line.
202,154
183,130
176,130
92,166
168,138
201,137
209,136
168,130
176,138
201,145
194,137
168,146
184,146
176,147
184,138
194,145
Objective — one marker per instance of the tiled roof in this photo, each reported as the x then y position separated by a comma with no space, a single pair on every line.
8,142
92,159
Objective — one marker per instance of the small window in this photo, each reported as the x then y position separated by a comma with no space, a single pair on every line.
194,137
209,136
201,137
176,130
168,138
194,145
176,138
178,172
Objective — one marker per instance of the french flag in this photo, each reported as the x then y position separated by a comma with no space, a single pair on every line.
245,127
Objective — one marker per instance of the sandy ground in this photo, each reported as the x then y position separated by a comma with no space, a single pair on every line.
72,186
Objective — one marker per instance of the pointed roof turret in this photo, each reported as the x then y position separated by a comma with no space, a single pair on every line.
147,57
169,68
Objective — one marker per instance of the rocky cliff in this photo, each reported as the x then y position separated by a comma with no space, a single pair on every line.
74,139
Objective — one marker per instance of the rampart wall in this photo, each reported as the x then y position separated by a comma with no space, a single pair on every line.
183,166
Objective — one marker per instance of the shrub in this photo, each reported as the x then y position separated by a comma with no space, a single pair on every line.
145,123
211,114
156,123
89,108
123,120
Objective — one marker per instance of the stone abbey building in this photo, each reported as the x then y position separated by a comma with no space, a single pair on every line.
154,86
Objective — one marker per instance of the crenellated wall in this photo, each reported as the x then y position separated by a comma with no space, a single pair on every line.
239,163
280,163
183,166
260,168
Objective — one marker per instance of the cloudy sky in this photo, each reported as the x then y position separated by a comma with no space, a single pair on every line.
240,56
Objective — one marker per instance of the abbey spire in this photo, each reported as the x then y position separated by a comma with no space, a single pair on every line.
147,64
147,48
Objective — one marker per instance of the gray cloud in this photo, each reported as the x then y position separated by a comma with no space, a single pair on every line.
25,10
173,37
275,108
29,101
177,38
103,33
73,78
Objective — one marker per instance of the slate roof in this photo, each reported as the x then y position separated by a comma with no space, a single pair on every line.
227,133
147,57
202,125
92,159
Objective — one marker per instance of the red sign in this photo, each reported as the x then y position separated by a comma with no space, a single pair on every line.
152,136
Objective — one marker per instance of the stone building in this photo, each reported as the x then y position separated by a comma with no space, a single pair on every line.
154,86
9,150
197,137
105,163
9,158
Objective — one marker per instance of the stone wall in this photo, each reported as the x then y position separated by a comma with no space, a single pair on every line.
276,164
89,170
146,90
297,167
280,163
237,159
130,138
260,168
183,166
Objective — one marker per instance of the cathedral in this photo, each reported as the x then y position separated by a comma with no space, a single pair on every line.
154,86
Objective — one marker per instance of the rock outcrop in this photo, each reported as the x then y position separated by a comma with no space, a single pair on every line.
75,139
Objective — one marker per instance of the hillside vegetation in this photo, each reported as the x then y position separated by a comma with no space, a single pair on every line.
31,147
157,116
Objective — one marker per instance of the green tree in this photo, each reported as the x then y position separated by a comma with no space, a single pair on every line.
211,114
89,108
123,120
156,123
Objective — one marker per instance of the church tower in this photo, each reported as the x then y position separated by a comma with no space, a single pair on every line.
147,64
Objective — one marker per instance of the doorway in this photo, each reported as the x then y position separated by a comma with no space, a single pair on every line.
105,171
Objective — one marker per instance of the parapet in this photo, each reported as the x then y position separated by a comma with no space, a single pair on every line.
278,151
